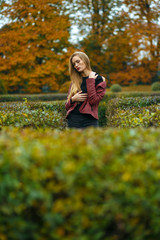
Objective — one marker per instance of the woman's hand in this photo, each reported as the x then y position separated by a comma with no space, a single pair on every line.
79,97
103,79
93,75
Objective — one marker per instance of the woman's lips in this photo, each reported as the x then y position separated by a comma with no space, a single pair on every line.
78,68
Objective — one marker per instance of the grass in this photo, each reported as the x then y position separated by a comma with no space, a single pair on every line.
136,88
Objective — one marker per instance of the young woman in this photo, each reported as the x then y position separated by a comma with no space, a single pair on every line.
86,90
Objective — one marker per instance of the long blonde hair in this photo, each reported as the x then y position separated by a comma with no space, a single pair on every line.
76,78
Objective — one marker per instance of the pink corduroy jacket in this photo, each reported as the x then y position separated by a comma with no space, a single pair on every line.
90,105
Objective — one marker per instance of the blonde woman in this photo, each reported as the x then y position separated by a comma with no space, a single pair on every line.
86,90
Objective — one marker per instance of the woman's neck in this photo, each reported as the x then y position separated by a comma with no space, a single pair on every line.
85,73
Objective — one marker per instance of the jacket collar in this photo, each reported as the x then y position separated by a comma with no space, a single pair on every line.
102,84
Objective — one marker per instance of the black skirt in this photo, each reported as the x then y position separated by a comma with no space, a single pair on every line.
81,121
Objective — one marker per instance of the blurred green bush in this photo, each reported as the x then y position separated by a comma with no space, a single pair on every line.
116,88
156,86
79,185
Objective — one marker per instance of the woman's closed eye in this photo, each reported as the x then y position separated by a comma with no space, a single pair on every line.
76,62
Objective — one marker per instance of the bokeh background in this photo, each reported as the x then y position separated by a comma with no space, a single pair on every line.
37,37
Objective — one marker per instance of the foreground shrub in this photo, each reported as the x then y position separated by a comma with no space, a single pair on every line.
116,88
156,86
93,184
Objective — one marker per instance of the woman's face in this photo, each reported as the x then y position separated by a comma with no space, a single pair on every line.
78,64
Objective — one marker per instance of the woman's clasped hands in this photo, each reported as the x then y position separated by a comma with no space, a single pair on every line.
79,97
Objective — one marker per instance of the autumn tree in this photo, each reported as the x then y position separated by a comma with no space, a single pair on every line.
144,31
121,38
132,51
34,44
94,20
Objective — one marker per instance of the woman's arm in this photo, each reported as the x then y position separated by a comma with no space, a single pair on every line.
95,94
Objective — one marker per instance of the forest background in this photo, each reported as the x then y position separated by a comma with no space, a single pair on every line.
121,38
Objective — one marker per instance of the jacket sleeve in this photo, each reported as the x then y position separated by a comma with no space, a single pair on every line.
95,94
69,103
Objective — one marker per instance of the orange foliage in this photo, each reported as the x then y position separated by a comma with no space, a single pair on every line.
131,76
65,87
33,46
123,43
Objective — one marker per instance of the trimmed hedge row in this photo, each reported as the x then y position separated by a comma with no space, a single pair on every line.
133,112
109,95
39,114
33,97
52,114
92,184
130,102
144,117
33,114
63,96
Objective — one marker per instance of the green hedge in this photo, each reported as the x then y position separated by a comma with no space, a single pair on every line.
156,86
133,112
39,114
144,117
109,95
79,185
130,102
52,113
63,96
32,97
116,88
33,114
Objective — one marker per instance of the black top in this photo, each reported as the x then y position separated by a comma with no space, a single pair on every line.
84,90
